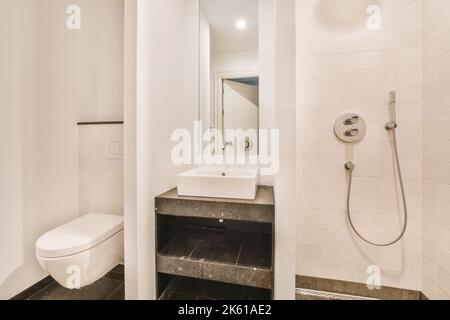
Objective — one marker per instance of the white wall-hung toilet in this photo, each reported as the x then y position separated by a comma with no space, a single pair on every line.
82,251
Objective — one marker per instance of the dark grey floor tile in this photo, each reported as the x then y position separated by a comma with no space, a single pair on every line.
99,290
25,295
212,290
222,247
119,269
183,244
118,294
115,276
256,251
192,287
53,292
256,294
182,296
205,299
223,291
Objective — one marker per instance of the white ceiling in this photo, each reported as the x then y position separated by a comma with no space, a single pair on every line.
222,16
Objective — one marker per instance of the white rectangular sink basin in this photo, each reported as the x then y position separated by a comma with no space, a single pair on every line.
219,183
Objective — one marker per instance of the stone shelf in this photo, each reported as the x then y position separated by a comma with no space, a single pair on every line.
234,257
188,289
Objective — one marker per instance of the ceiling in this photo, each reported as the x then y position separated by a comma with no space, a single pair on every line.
222,16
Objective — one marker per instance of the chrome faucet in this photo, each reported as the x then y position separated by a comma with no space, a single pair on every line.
224,149
226,144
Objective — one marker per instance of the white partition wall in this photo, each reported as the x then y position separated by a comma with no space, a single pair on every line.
436,155
161,95
285,180
277,111
19,105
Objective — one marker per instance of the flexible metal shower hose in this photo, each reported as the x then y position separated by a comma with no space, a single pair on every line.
405,208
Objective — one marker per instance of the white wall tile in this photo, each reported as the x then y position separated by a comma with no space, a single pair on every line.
353,70
436,112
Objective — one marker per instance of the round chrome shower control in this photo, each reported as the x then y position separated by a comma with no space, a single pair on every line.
350,128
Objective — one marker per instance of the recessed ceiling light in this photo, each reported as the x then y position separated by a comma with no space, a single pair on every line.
241,24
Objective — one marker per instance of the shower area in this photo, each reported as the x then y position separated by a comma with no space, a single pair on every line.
384,67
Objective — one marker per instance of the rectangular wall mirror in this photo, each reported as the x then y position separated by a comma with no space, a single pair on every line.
229,77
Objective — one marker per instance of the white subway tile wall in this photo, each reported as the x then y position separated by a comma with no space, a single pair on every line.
436,164
345,67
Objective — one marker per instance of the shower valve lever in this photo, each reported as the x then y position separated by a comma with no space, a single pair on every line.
352,133
351,121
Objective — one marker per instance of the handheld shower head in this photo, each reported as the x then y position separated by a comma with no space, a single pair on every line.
350,166
393,105
393,97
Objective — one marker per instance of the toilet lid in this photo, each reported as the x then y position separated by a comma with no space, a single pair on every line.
79,235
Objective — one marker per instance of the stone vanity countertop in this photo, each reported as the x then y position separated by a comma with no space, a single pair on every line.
262,209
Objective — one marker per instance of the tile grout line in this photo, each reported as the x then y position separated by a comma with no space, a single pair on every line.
39,291
197,245
114,291
239,253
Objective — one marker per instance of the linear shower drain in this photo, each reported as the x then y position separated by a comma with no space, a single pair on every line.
328,295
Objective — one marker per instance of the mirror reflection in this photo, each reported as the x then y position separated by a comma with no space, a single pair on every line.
229,78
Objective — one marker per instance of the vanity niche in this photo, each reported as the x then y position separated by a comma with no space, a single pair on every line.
209,248
210,245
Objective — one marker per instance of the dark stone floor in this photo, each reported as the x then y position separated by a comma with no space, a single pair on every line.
110,287
196,289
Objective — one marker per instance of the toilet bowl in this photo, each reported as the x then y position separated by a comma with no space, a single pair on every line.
82,251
